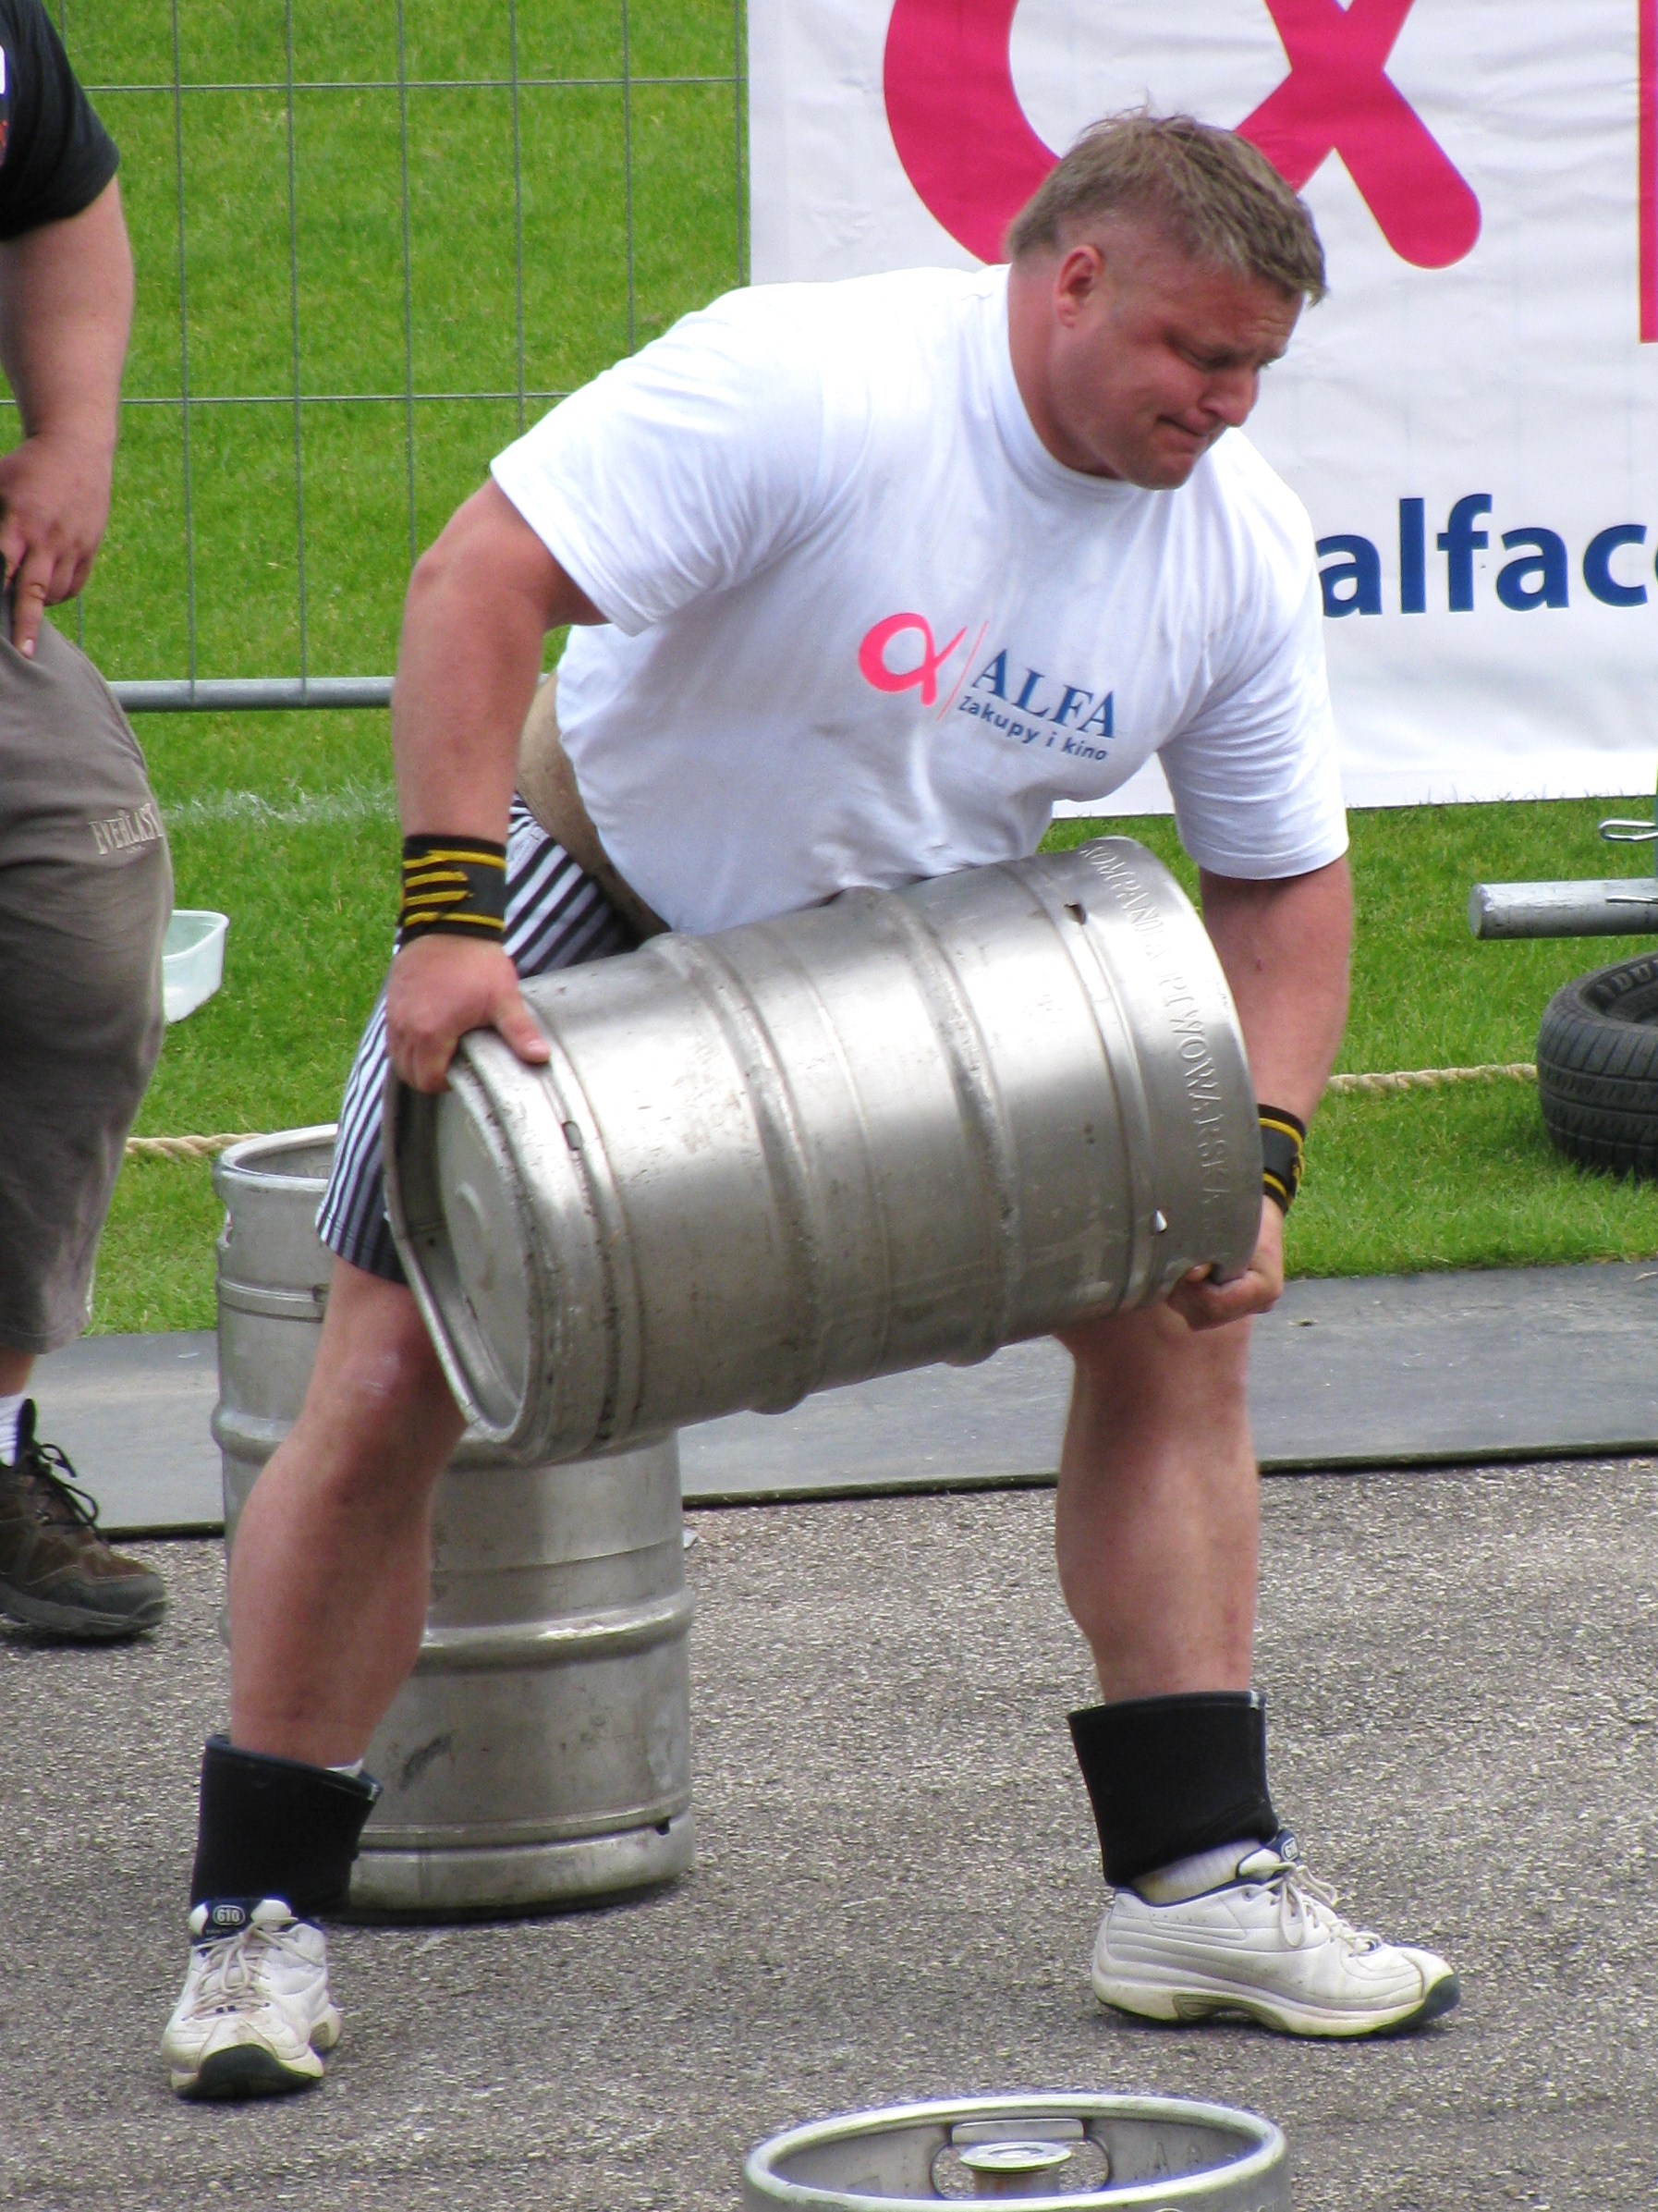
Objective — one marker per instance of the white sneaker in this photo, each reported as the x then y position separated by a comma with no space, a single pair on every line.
255,2010
1268,1944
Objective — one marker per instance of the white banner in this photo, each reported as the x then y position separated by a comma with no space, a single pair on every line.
1472,415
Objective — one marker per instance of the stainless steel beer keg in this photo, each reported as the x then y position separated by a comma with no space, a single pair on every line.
895,1129
1060,2151
540,1753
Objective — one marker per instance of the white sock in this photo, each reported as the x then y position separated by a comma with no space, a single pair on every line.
354,1769
1183,1879
9,1410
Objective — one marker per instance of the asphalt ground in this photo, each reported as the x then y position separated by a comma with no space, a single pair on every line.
897,1886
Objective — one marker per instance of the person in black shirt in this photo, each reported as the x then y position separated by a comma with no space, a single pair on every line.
85,881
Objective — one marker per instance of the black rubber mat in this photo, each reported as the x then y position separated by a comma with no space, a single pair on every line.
1392,1371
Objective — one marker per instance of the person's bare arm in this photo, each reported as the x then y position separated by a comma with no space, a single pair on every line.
65,309
480,603
1284,950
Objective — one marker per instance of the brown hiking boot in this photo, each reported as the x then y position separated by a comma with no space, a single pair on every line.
57,1572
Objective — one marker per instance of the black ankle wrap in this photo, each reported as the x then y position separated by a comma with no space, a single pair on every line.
1171,1776
276,1828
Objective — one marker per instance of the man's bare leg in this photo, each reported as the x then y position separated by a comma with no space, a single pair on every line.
1158,1539
328,1586
1157,1529
331,1559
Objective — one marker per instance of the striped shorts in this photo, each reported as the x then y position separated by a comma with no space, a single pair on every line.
557,917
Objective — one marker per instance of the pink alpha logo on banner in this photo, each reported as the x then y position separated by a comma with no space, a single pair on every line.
974,160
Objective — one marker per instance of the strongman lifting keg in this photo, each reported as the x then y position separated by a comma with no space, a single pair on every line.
540,1753
894,1129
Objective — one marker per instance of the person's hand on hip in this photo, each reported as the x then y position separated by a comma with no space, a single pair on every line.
53,506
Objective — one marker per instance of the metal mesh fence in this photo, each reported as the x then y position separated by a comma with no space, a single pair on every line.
374,239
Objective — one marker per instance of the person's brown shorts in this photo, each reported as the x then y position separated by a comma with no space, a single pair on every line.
86,887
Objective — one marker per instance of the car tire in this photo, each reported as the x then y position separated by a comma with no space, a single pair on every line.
1597,1068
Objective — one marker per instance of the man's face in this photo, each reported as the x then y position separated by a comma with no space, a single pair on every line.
1152,355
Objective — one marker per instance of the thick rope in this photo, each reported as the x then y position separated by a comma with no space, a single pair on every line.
1433,1078
1340,1086
182,1148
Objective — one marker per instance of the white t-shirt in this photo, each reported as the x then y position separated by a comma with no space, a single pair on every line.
864,628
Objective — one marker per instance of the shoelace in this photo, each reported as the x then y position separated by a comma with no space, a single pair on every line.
1306,1904
230,1977
59,1501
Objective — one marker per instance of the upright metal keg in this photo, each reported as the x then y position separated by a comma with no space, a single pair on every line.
540,1753
894,1129
1054,2151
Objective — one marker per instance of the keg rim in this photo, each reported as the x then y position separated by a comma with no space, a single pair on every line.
1265,2155
242,1159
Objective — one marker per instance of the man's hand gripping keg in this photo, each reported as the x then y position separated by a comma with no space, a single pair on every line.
1204,1301
1283,945
442,986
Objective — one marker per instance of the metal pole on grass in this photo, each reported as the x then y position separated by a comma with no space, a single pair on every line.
183,349
293,299
409,391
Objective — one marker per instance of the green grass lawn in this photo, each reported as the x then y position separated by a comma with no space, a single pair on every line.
287,823
341,333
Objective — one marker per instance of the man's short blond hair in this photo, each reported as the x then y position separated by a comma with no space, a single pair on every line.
1218,199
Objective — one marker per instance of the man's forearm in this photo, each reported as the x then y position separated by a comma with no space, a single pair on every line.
1285,949
65,312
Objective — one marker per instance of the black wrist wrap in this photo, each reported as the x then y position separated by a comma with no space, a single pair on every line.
277,1827
1283,1148
453,887
1171,1776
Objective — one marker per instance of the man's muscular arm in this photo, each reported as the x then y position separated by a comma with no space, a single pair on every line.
481,601
66,308
1284,947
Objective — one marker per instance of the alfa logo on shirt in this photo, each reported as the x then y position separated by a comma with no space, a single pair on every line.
900,653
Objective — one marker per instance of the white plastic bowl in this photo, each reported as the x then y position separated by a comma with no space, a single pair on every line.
193,960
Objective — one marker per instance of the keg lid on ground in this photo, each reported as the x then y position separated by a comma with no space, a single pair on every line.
1059,2151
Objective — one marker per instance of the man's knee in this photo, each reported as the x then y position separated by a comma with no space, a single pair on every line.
377,1390
1148,1360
